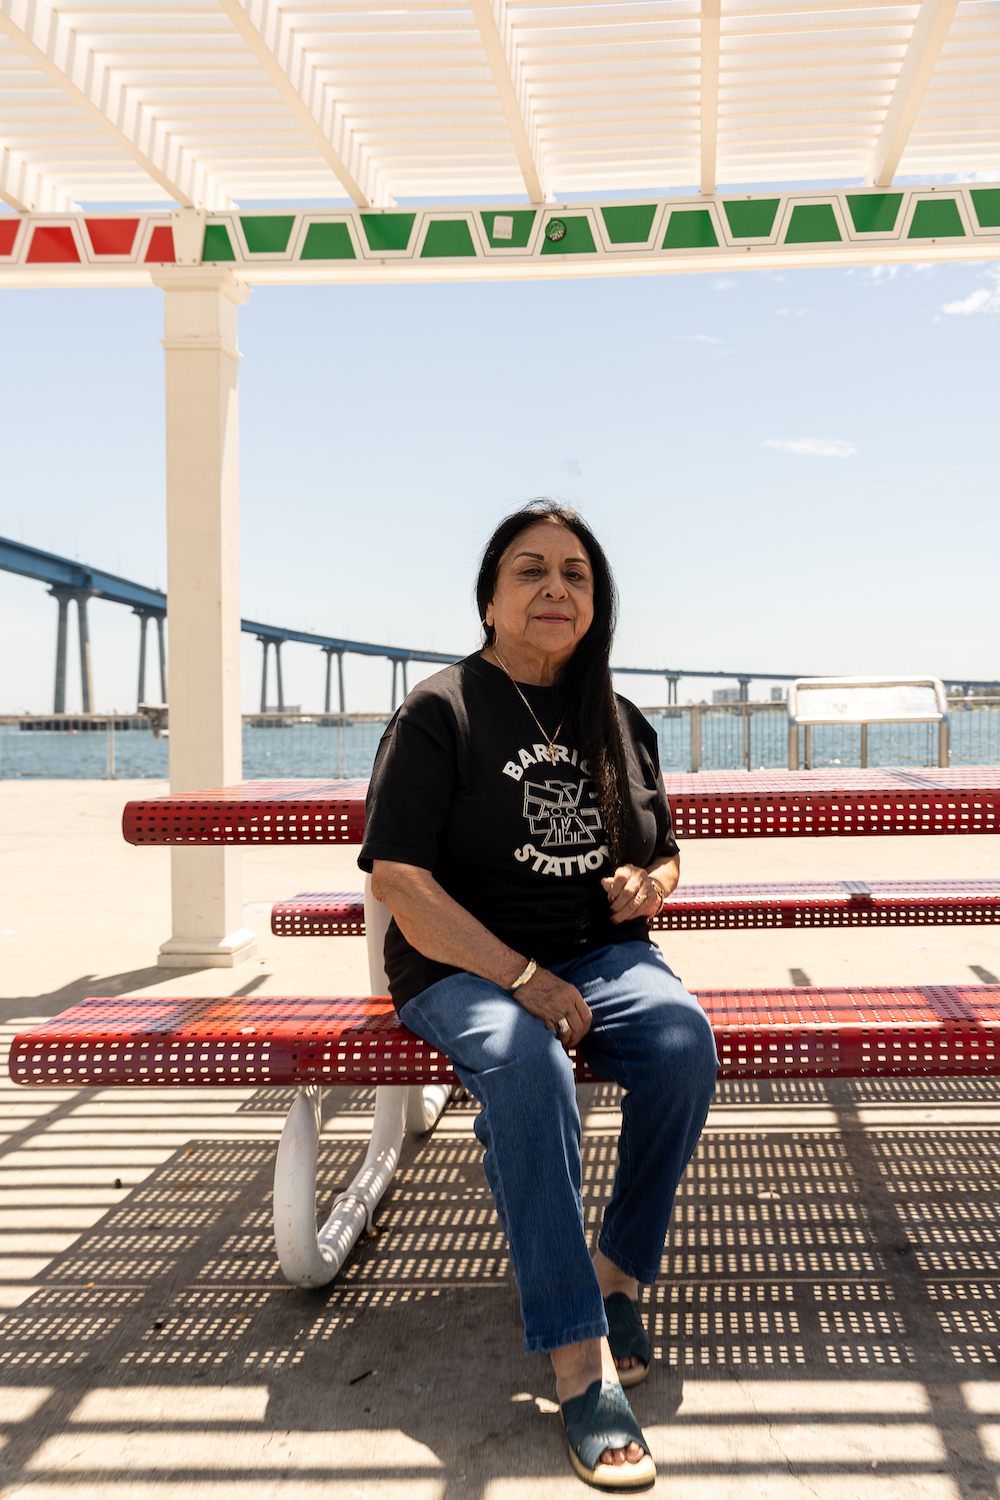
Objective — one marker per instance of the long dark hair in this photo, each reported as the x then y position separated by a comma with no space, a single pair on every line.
586,677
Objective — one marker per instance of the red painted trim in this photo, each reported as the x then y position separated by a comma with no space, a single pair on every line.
51,244
112,236
8,234
161,245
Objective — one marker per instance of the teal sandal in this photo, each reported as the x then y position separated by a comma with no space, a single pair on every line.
627,1337
602,1418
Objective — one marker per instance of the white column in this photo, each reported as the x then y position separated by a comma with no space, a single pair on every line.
203,601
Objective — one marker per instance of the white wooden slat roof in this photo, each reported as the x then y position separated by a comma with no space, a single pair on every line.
216,102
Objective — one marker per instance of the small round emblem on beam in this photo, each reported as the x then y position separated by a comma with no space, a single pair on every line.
555,230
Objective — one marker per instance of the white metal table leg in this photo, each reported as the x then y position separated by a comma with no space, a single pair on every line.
311,1257
424,1106
308,1257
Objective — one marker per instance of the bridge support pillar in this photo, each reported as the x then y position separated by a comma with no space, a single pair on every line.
203,600
141,695
62,599
277,669
330,653
161,647
266,644
86,662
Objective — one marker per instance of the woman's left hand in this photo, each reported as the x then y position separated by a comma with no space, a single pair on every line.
631,893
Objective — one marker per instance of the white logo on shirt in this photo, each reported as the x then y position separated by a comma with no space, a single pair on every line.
554,865
553,809
539,755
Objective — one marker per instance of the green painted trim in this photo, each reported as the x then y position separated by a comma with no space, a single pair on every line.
874,213
936,218
629,225
690,229
387,231
812,224
987,205
267,234
217,245
751,218
579,239
524,222
328,242
447,237
688,232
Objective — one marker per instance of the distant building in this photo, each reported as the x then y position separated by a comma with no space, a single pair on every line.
725,695
778,694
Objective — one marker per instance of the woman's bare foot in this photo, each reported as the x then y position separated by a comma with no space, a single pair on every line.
610,1279
577,1366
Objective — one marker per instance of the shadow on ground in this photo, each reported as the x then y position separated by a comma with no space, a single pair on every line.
827,1321
54,1001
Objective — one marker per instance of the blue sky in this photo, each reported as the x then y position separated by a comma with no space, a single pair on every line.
792,472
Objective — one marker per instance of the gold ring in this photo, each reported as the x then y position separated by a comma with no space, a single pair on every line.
562,1025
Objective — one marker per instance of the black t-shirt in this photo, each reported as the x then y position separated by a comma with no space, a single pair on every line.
462,786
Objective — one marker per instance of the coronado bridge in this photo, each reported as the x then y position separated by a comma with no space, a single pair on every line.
74,582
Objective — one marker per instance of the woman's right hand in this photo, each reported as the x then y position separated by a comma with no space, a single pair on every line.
550,998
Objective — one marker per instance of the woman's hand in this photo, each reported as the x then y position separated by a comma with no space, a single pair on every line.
550,999
631,892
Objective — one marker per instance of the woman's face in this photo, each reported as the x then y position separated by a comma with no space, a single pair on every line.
543,602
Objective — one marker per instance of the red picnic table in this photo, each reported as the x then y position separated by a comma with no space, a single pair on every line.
313,1042
704,804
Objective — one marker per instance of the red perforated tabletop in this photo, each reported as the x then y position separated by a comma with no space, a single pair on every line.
709,804
250,1041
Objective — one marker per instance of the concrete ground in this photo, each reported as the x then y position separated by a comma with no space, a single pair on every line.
827,1323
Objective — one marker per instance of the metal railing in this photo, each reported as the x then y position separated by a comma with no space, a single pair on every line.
692,737
754,736
303,745
128,747
81,747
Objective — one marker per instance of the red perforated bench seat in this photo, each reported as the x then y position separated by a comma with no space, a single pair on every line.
706,804
254,1040
827,903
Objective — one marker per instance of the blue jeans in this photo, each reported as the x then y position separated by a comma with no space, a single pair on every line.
648,1035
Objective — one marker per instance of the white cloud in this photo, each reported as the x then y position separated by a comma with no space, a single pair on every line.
813,447
696,338
983,299
724,285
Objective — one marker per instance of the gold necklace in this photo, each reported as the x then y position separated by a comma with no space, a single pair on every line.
550,742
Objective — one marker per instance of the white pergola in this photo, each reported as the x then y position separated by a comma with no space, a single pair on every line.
589,139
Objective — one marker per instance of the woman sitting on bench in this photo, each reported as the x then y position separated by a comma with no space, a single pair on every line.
518,831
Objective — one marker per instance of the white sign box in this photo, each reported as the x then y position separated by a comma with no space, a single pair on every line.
864,701
834,700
